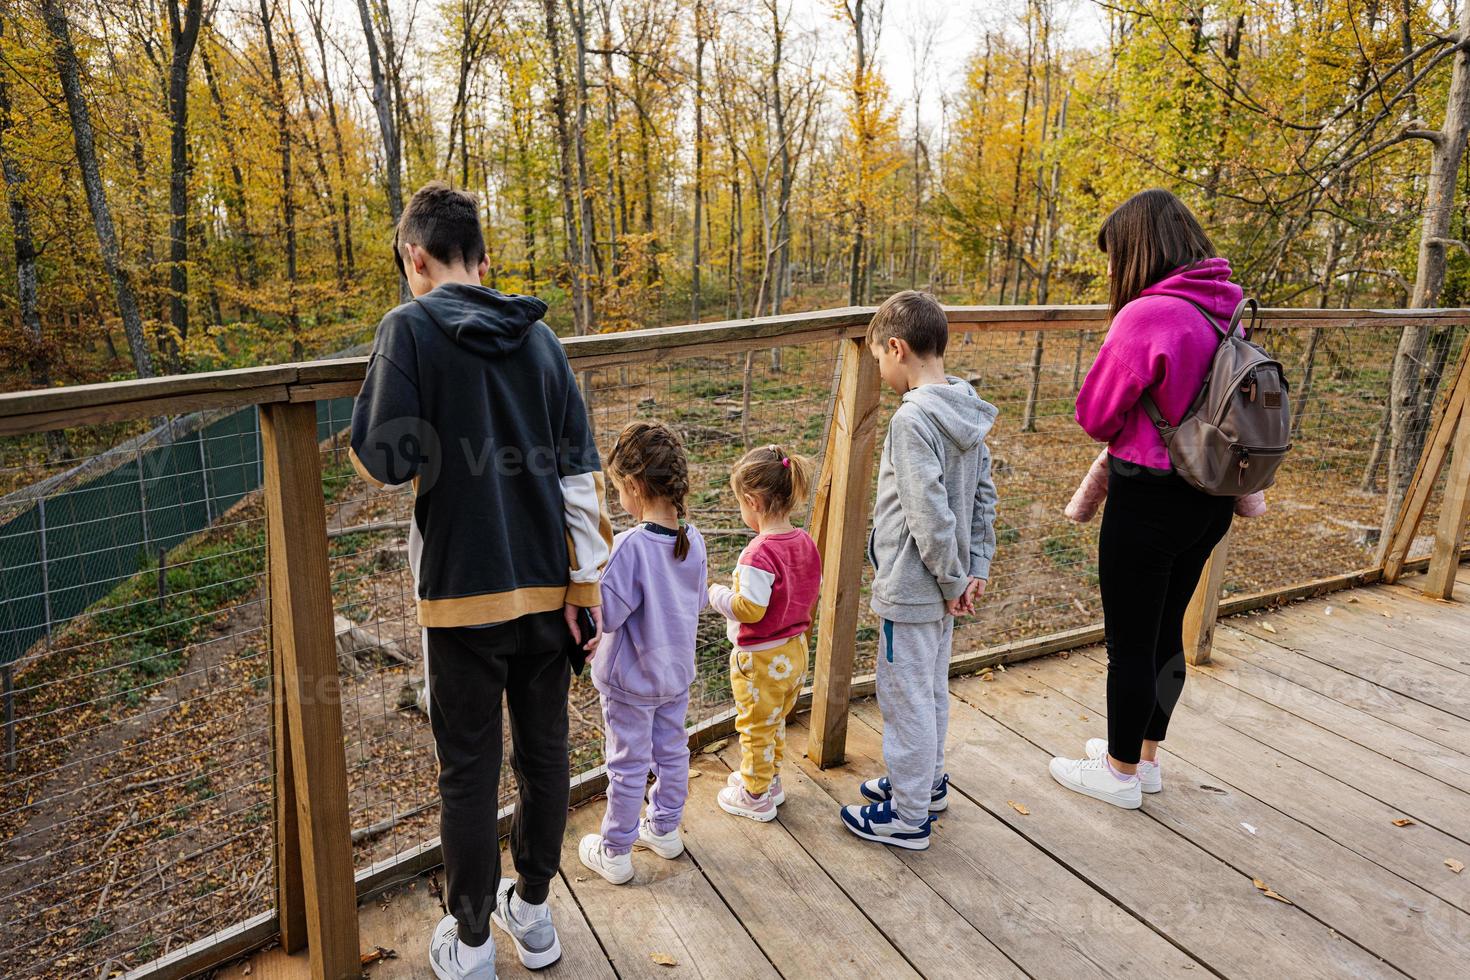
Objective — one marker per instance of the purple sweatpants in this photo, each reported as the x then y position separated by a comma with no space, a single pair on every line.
640,738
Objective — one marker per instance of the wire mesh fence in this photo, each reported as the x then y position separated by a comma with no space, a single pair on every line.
137,816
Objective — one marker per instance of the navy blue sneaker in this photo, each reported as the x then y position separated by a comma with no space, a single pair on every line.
881,789
878,822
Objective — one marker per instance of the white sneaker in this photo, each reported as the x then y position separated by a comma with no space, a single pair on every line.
778,795
529,927
616,868
446,953
1095,778
1150,776
669,845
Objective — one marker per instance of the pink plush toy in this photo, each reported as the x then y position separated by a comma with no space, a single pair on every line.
1094,489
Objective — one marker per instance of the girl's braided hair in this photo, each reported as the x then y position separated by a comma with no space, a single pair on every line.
780,480
653,454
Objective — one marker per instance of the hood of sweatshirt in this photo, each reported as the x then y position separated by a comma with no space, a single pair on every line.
962,416
1206,283
482,320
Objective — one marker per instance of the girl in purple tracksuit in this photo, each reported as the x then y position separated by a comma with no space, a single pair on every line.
653,589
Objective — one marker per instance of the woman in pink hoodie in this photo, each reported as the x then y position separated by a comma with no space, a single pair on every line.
1157,530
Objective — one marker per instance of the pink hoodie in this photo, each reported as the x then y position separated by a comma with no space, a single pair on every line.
1161,343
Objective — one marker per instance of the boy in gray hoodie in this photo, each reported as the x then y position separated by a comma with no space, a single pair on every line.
931,547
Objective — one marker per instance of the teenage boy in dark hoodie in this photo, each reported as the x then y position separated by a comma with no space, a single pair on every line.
469,397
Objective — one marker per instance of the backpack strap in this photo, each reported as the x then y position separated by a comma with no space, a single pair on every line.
1250,325
1147,400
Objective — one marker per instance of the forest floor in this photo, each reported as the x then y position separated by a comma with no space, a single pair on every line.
141,818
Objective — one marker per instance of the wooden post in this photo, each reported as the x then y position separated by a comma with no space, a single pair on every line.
1400,538
311,759
1204,607
844,531
1454,510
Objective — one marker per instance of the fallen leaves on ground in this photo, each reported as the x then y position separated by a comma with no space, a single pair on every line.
1268,627
1019,808
663,959
1266,890
1402,822
378,953
1453,865
714,747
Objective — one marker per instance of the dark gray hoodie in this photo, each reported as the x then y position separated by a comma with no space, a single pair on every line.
469,396
934,523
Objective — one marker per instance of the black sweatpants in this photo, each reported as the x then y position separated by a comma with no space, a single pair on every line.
524,660
1157,533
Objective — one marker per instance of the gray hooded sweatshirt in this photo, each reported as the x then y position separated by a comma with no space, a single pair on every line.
934,523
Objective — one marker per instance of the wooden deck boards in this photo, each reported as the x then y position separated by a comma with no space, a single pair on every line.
1290,757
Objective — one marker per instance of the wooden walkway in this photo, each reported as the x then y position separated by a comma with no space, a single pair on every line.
1312,824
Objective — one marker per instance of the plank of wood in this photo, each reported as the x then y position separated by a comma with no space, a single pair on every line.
1454,511
1204,605
1023,901
1364,657
668,908
1446,764
303,639
1348,816
1406,621
1186,895
66,418
1400,539
934,938
1429,801
1391,917
1403,712
854,429
781,895
403,918
290,891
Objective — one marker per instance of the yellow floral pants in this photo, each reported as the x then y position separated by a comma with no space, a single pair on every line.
766,684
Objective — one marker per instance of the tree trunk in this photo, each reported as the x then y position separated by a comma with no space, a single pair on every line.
1407,414
565,152
288,196
183,35
382,101
699,42
69,71
239,204
314,14
586,240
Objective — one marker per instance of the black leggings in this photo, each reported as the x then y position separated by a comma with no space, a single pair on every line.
1157,533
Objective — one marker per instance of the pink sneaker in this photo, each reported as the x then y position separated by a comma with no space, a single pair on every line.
778,796
735,799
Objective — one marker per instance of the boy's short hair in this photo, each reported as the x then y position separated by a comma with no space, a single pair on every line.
443,222
915,318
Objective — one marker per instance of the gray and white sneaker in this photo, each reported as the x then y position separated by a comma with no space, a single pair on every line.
445,952
531,930
1150,776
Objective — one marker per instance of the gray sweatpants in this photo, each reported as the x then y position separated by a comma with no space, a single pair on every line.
913,695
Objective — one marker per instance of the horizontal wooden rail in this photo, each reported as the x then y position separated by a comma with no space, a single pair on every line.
56,408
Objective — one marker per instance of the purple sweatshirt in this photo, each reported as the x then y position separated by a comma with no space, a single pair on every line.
1161,343
650,615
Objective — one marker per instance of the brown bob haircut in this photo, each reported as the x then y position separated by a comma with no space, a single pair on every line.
1148,236
915,318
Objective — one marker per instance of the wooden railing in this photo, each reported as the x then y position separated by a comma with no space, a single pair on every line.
316,888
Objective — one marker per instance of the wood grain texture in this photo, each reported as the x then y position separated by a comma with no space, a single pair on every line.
779,893
1023,902
1454,511
302,638
668,908
934,938
1391,917
1204,606
1183,893
854,429
1446,418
